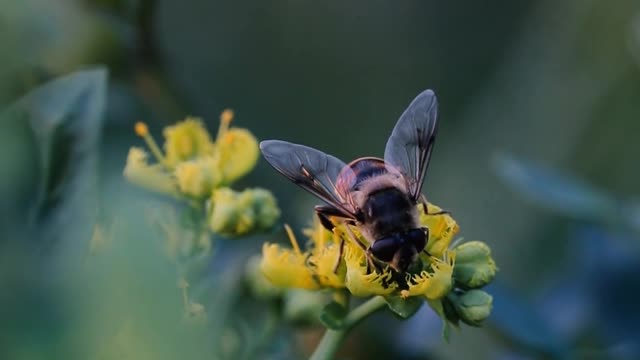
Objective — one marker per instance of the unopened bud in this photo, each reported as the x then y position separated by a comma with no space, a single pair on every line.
240,213
473,306
474,265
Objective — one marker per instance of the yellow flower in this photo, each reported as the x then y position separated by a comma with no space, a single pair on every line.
442,229
287,268
152,177
186,140
361,283
258,282
332,267
198,177
236,149
435,284
318,234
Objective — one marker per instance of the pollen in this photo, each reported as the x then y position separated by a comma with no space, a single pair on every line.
226,116
228,138
141,129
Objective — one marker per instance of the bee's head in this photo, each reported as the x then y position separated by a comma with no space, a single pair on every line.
400,250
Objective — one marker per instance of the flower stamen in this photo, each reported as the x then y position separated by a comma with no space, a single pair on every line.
292,239
142,130
225,120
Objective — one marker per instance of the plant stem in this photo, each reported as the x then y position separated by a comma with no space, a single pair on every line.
332,339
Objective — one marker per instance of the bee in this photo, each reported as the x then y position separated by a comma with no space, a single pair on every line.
378,196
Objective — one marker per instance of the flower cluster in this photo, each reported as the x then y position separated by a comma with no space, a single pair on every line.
447,278
199,169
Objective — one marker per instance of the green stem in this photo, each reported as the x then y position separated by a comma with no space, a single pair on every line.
332,339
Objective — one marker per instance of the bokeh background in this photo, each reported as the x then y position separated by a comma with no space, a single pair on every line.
537,155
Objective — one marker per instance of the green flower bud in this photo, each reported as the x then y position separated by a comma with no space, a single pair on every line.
239,213
227,214
266,208
151,177
473,306
237,153
186,140
474,265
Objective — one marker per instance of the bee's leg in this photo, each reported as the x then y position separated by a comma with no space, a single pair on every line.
370,263
426,234
340,252
353,238
324,212
423,201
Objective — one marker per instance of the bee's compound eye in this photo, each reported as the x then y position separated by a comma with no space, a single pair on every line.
385,248
417,237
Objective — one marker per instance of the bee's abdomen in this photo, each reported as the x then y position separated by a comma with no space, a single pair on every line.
363,169
388,211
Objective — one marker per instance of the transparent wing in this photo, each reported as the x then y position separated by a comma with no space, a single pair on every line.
409,146
310,169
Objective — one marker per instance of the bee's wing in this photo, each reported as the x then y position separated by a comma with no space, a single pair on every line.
309,168
409,146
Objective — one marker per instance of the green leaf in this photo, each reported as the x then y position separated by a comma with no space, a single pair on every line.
404,308
449,312
332,315
444,311
63,119
555,191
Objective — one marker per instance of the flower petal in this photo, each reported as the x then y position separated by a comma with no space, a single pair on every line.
359,282
442,229
151,177
186,140
324,261
435,284
286,268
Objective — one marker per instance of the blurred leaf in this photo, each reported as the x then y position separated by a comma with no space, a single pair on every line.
65,118
332,315
303,306
438,306
519,323
555,191
404,308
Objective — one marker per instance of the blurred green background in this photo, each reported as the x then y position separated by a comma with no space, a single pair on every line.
537,155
